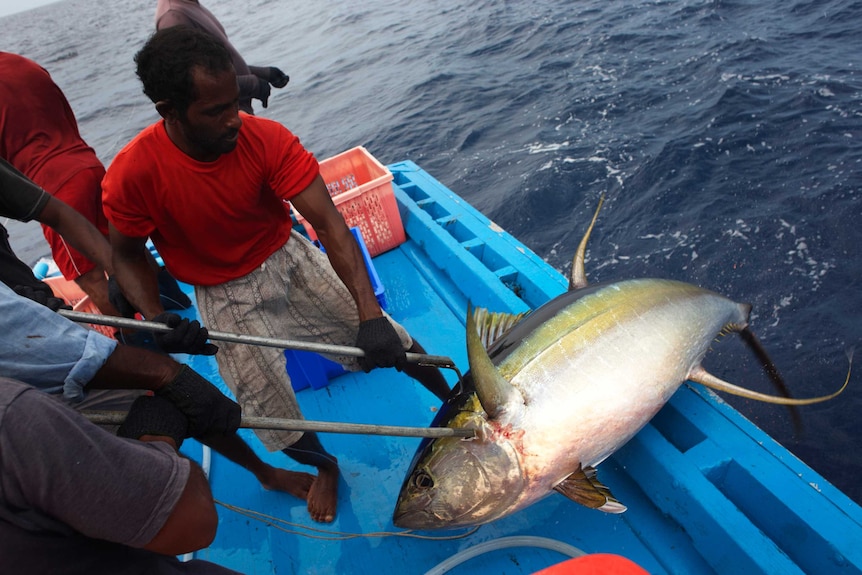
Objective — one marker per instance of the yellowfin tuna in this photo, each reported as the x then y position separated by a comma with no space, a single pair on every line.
561,390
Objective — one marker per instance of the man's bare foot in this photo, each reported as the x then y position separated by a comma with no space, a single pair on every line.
323,495
296,483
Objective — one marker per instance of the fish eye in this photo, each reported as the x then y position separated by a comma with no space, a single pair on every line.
423,480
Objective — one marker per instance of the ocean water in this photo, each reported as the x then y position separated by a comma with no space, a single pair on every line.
726,135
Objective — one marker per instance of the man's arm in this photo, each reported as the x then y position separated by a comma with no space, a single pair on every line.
376,336
193,522
47,350
131,367
315,205
134,274
138,280
207,409
135,493
23,200
78,231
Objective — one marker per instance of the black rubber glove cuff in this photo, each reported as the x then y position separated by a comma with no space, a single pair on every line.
153,415
208,410
381,344
186,337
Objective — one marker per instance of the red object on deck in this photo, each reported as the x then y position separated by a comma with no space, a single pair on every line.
595,564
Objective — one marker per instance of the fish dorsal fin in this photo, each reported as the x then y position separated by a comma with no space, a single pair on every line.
492,325
499,398
583,487
578,277
700,375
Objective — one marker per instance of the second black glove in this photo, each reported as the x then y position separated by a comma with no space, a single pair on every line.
381,344
43,296
208,410
185,337
153,415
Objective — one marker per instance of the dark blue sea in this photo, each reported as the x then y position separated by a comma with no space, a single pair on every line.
726,135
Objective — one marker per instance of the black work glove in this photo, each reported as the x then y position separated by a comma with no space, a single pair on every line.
42,296
271,74
208,410
277,78
153,415
381,344
186,337
262,91
118,300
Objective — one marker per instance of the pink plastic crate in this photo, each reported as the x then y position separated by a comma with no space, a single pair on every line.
80,301
361,188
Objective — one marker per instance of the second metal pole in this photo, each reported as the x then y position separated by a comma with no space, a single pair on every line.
118,417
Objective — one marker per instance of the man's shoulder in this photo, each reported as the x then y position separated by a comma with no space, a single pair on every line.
261,123
171,13
146,143
17,62
17,70
264,129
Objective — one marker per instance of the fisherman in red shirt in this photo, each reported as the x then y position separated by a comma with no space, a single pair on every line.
39,136
210,185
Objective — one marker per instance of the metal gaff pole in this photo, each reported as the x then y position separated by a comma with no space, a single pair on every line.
118,417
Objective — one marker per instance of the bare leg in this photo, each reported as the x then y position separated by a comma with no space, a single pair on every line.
429,376
323,495
237,450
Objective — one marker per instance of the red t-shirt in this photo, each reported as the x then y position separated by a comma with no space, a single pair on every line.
210,221
39,133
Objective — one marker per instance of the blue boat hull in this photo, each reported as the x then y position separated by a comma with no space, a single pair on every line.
706,490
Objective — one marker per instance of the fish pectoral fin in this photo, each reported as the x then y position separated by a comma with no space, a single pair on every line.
703,377
583,487
578,277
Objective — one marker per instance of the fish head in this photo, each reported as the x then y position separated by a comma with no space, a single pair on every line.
456,482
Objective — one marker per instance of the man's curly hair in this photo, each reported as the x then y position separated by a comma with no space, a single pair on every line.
165,63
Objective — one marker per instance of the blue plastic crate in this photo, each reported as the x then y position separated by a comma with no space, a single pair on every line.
379,290
308,369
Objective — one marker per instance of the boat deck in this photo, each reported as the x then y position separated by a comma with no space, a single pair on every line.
707,492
